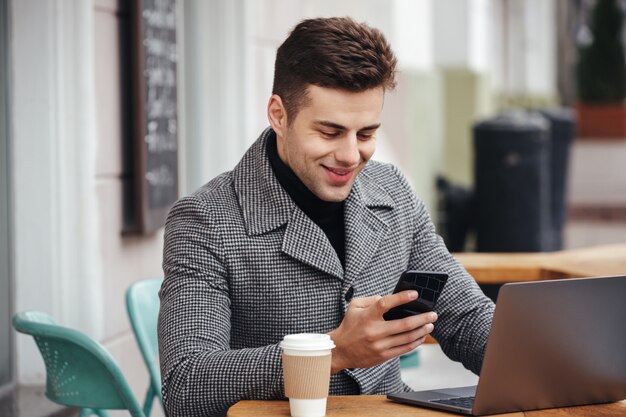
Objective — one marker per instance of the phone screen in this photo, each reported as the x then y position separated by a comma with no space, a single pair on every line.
428,286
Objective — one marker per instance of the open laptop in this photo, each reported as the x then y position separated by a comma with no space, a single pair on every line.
552,344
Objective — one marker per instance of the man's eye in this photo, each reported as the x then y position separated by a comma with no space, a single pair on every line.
365,136
330,134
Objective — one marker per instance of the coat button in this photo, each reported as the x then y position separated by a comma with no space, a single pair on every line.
349,294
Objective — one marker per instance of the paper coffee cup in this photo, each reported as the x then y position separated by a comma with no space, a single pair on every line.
306,369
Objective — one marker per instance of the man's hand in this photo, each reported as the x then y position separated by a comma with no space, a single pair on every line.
365,339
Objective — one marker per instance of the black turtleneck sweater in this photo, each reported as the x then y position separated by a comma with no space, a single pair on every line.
327,215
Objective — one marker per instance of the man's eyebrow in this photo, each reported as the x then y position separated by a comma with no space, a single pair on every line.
340,127
371,127
330,124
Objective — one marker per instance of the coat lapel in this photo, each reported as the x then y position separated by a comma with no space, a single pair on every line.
364,229
306,242
266,206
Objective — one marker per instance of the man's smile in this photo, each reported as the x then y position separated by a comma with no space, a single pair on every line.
339,175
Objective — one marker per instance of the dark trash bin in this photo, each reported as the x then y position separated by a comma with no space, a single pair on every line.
455,213
563,128
512,183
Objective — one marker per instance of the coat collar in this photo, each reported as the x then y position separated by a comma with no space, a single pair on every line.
266,206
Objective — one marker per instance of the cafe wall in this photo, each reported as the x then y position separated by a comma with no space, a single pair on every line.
126,258
70,79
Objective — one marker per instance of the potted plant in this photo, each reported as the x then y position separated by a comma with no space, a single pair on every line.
602,75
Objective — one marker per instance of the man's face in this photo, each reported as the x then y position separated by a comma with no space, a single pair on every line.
331,139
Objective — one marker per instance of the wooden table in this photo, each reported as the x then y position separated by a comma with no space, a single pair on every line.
499,268
379,406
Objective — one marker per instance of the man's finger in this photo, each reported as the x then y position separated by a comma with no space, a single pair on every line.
400,339
409,324
364,302
401,350
388,302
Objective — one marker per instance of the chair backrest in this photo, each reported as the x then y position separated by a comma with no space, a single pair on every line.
79,371
142,302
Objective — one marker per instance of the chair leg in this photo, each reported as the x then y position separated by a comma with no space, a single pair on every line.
147,405
88,412
157,392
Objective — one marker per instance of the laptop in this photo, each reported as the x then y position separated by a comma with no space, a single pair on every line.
552,344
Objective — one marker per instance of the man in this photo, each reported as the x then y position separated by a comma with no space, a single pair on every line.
307,235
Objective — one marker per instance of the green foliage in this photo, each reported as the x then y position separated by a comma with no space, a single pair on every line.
602,64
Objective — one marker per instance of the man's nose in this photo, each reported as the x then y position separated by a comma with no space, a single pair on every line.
347,152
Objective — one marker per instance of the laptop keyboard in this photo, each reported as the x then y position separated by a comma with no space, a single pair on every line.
461,402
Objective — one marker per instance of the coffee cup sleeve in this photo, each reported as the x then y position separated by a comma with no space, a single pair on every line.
306,377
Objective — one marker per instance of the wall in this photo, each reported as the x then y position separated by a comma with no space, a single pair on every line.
462,42
68,130
596,193
125,259
56,253
217,114
6,288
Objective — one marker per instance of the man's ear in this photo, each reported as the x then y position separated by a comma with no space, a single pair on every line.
277,115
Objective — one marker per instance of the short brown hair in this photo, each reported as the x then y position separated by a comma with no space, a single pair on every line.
332,52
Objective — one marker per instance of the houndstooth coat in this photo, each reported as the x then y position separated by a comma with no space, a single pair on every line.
244,266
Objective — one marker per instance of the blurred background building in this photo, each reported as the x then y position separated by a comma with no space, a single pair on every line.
68,130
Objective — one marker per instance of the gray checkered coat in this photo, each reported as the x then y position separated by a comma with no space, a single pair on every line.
244,266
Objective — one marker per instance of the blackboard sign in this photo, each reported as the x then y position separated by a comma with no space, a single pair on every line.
155,112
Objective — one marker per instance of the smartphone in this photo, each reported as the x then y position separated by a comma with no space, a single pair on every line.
428,286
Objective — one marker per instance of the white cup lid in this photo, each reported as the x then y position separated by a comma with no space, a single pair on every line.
307,341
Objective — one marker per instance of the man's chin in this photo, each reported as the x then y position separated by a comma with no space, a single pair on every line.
335,200
334,197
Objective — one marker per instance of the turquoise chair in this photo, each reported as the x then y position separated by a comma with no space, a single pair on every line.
80,372
142,303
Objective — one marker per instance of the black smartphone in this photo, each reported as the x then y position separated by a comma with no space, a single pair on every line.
428,286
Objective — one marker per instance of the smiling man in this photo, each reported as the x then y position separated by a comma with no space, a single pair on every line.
307,235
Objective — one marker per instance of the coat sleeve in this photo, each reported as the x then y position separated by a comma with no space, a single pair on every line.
465,313
201,375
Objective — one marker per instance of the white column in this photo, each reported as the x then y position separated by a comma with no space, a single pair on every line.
527,51
462,40
461,34
412,33
57,256
217,88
